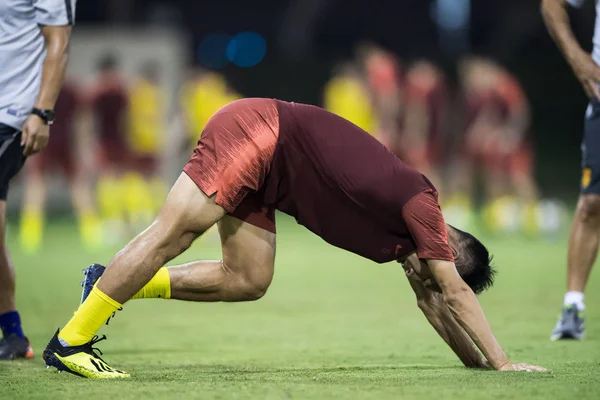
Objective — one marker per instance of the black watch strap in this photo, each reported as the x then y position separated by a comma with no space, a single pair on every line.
46,115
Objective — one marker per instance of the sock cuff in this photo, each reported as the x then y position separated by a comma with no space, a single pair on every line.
163,275
106,298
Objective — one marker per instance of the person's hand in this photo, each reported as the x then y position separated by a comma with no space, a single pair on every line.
509,366
588,73
35,135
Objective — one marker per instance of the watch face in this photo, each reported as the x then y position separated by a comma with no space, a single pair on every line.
50,114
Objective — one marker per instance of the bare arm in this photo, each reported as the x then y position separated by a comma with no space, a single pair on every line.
36,132
465,308
55,64
556,19
439,316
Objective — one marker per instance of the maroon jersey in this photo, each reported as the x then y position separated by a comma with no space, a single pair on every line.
108,103
67,107
259,155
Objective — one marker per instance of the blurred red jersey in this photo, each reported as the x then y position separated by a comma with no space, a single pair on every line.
60,149
108,103
428,93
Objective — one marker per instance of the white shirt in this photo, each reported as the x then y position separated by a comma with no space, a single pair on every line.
22,52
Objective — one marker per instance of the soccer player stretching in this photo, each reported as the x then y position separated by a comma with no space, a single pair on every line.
259,155
34,39
585,232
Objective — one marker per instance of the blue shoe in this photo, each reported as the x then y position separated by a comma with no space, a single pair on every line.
571,324
92,274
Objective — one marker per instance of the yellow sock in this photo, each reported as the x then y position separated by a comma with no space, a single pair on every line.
88,319
90,230
159,286
138,198
110,198
31,232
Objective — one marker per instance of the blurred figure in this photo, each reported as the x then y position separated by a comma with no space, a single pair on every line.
61,156
202,95
383,73
495,141
422,138
585,231
347,95
145,189
106,115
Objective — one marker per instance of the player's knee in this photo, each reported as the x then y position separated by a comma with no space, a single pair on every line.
253,286
588,209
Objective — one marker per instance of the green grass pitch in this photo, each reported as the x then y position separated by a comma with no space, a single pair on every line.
332,326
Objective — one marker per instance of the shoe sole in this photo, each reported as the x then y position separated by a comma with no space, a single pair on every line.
566,336
52,360
28,355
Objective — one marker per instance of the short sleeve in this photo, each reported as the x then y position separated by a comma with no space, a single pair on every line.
55,12
576,3
423,218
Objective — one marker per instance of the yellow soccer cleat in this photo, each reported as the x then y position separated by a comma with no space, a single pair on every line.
80,360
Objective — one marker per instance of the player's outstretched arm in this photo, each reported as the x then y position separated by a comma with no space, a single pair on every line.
465,308
556,19
437,313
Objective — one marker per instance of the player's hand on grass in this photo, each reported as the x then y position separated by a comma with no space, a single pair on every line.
588,74
509,366
35,135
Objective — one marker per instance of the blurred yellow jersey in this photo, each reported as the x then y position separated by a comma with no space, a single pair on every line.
146,123
202,99
350,100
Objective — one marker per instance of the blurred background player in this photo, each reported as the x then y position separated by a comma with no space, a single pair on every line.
106,108
145,188
424,120
65,155
347,95
383,72
496,123
202,95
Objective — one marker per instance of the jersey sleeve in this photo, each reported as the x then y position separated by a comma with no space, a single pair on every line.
55,12
576,3
423,218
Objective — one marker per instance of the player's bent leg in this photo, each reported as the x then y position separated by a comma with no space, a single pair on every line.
582,253
13,344
244,274
186,214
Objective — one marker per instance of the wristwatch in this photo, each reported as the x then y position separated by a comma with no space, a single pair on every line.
46,115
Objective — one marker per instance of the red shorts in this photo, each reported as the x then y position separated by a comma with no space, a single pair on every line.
519,162
234,156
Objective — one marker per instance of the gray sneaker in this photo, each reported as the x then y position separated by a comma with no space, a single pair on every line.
570,325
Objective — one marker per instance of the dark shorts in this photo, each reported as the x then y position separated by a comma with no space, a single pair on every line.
11,157
234,156
590,150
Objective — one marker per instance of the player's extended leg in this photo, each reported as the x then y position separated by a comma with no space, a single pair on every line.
186,214
244,274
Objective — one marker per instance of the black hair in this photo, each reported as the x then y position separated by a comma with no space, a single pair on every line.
474,262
